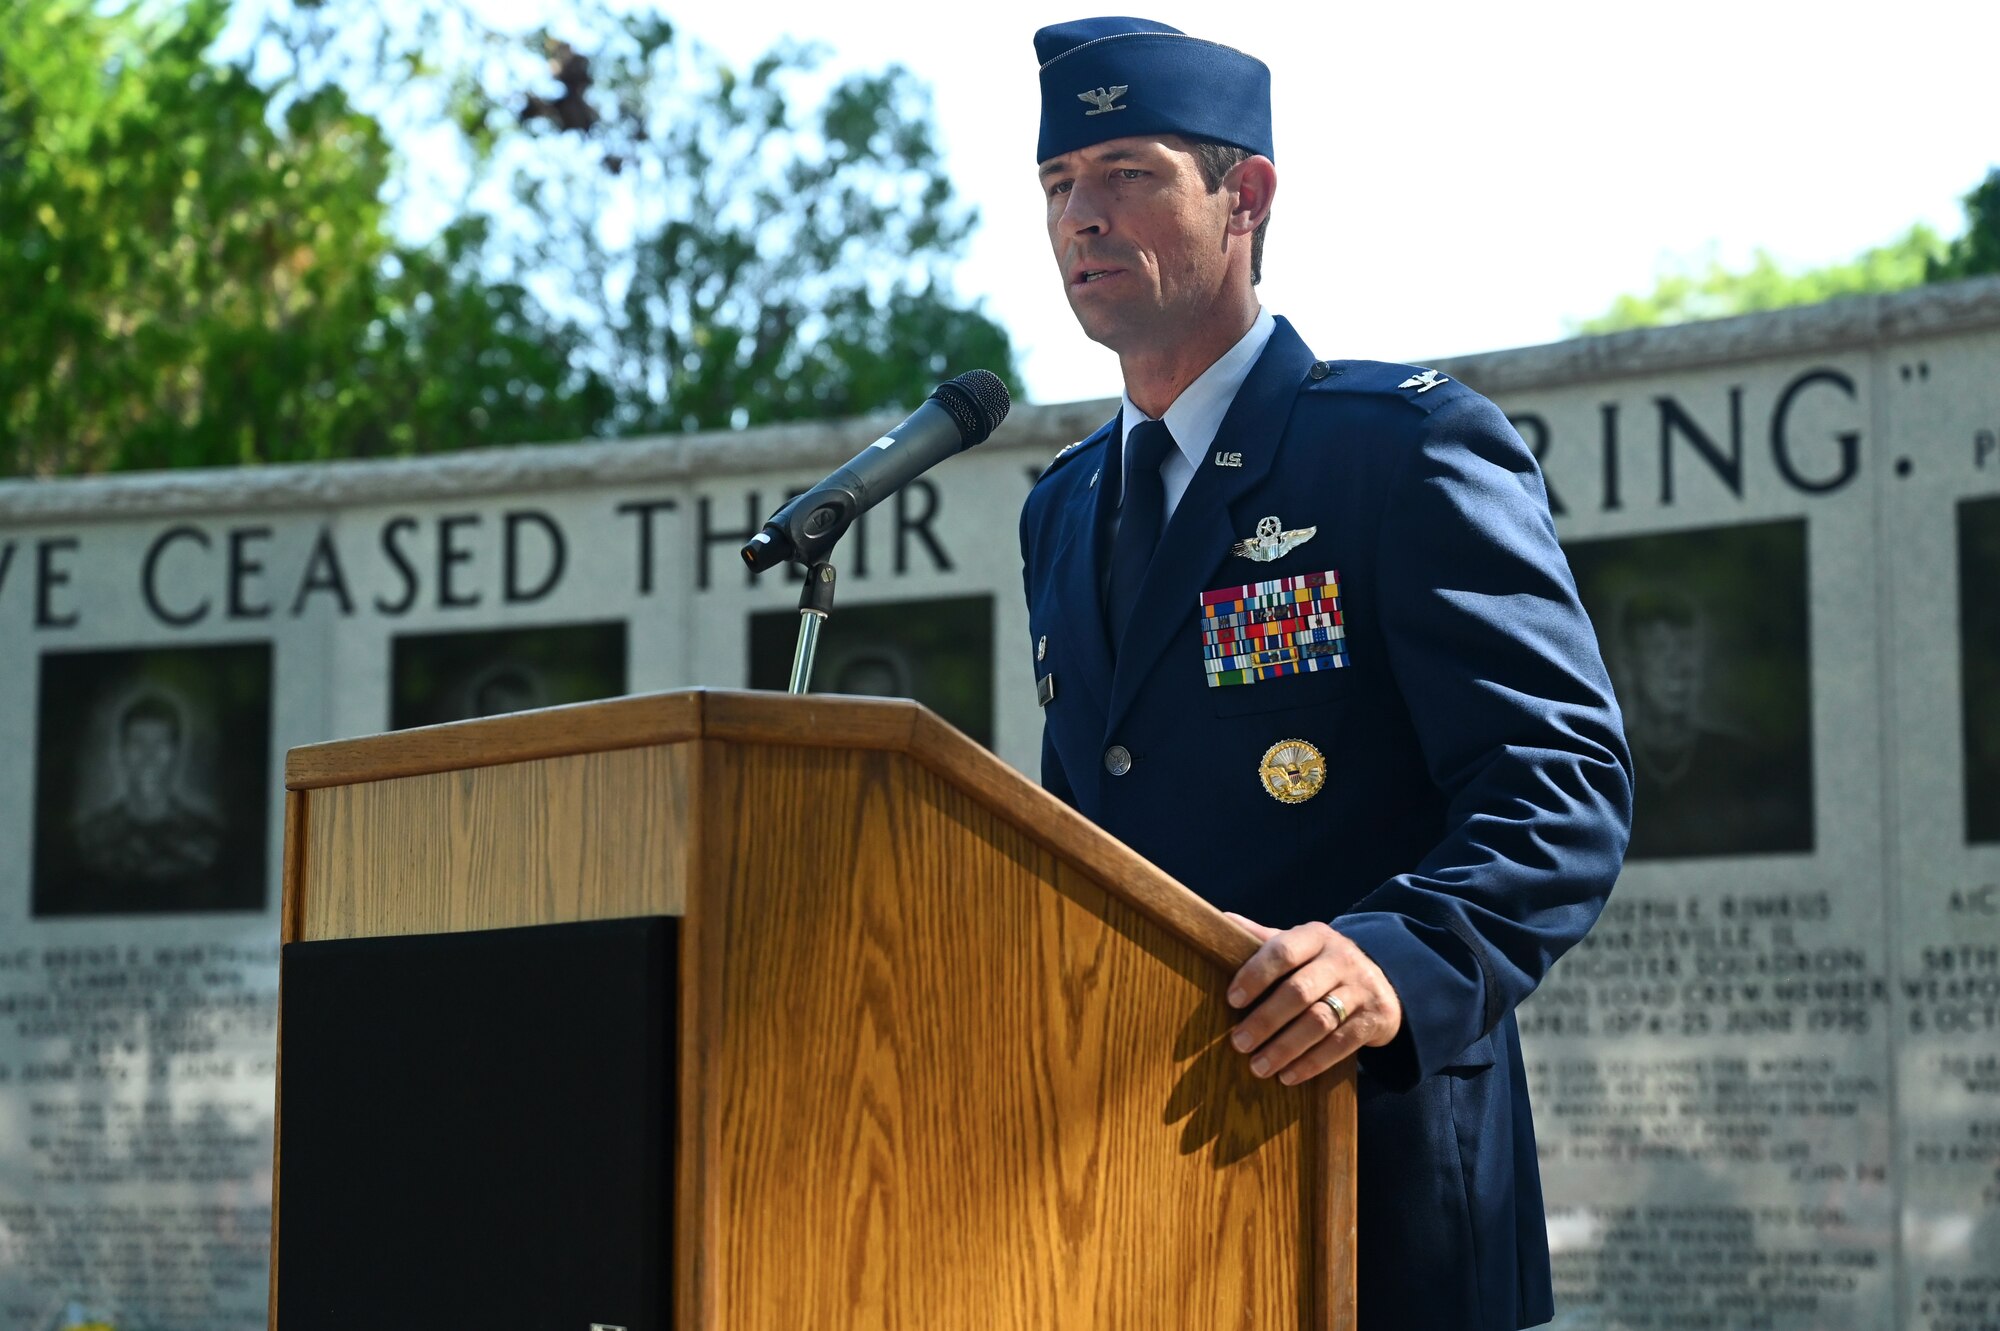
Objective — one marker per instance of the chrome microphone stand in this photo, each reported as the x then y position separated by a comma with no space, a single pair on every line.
815,604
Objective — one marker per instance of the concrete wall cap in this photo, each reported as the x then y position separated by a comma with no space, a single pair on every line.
1038,431
811,449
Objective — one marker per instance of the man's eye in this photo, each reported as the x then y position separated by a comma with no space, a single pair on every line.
1060,187
1130,173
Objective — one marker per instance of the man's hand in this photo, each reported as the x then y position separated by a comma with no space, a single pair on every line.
1292,1033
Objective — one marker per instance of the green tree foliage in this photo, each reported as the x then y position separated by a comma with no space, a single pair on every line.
1715,292
761,298
753,246
1920,255
1977,252
193,279
200,265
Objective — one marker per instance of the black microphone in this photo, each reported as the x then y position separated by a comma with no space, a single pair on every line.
961,413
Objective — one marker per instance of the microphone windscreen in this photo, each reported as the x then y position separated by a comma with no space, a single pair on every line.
977,402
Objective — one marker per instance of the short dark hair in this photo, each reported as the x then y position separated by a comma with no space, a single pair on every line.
1215,159
502,687
1646,608
150,707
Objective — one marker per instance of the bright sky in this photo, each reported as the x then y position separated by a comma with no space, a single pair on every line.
1459,177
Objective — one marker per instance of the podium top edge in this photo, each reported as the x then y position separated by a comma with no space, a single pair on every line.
637,721
753,717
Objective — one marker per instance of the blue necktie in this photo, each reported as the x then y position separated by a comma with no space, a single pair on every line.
1140,518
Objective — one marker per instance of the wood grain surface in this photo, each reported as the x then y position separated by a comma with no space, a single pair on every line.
585,837
548,732
878,724
951,1056
1333,1120
938,1077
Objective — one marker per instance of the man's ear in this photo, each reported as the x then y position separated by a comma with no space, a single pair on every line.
1252,183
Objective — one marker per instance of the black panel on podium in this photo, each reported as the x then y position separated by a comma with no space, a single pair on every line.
512,1090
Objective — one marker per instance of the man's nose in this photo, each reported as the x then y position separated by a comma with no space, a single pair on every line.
1083,214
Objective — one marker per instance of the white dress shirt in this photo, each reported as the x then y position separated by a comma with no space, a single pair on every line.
1197,413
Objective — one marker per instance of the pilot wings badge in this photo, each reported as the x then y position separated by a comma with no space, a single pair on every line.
1102,98
1272,541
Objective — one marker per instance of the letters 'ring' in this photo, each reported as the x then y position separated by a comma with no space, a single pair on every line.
1336,1007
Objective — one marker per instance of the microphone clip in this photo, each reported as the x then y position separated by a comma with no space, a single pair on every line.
802,533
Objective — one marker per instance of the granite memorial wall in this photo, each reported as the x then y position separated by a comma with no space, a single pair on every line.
1767,1086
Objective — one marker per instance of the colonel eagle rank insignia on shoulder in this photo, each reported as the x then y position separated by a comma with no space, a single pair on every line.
1413,384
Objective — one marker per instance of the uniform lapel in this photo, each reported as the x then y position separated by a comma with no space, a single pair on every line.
1079,608
1198,537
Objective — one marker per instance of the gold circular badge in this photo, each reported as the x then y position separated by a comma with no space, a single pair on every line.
1292,771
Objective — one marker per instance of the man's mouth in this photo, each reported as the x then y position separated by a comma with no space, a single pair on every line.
1085,276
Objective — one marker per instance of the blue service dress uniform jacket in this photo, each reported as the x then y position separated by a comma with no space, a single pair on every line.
1478,791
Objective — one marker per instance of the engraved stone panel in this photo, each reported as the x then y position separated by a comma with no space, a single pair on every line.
1767,1087
1711,1066
1942,587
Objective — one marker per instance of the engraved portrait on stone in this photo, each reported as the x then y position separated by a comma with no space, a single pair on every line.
884,673
150,790
439,677
1705,634
1979,662
939,652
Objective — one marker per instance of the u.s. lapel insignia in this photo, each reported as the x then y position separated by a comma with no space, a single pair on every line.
1042,648
1292,771
1272,541
1424,382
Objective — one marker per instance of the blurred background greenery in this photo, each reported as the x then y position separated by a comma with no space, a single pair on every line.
1708,290
199,265
244,231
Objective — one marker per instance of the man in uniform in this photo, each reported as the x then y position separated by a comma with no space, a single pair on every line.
1304,638
148,849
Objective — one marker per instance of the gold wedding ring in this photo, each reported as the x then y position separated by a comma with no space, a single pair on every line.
1337,1008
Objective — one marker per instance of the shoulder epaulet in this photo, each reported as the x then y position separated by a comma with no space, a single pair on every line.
1097,436
1422,388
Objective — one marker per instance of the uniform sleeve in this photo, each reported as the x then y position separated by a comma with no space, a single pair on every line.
1500,670
1054,780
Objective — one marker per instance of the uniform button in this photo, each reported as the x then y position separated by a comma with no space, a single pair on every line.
1318,370
1118,760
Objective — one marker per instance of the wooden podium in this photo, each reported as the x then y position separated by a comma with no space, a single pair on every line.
948,1055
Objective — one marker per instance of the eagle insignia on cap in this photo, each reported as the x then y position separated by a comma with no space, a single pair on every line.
1102,98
